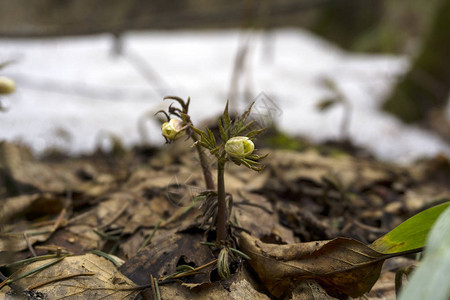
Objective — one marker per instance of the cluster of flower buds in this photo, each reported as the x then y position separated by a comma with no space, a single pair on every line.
235,146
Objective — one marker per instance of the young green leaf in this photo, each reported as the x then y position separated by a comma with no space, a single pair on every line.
410,234
226,117
430,280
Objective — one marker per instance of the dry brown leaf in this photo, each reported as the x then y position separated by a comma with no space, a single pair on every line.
291,166
36,205
24,173
107,283
16,241
161,257
99,217
309,289
255,213
239,286
341,266
384,288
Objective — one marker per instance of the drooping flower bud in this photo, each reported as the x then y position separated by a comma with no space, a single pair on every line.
173,129
239,147
7,86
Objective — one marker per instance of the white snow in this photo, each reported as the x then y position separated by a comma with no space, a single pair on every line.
72,91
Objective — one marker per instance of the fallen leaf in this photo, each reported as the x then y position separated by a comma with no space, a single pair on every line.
107,283
162,256
239,286
341,266
32,205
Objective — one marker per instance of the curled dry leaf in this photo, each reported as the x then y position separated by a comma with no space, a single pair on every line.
340,266
59,281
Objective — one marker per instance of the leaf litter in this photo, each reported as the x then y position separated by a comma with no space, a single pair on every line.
306,223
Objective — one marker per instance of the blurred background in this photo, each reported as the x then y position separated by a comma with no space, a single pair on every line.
373,72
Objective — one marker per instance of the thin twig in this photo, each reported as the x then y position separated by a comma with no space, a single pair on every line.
30,247
105,255
29,260
158,294
40,268
152,282
59,220
194,271
115,217
41,284
187,273
106,236
53,248
269,211
369,228
149,238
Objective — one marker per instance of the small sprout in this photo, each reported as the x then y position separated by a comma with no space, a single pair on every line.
7,86
173,129
239,147
337,97
326,104
222,264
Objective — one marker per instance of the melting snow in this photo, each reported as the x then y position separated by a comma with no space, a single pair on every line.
71,91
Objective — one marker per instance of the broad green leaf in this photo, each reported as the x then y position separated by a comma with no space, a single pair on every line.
431,279
411,234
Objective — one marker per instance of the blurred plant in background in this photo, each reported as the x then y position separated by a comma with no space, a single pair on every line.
7,85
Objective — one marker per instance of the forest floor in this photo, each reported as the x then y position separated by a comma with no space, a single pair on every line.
138,208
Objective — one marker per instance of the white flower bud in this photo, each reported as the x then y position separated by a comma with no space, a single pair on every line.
173,129
239,146
7,86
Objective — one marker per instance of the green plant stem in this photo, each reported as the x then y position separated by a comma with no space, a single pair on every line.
204,163
221,226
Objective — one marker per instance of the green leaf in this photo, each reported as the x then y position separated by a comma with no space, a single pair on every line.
200,132
245,127
211,138
431,280
226,117
247,112
186,106
223,133
255,132
216,150
411,234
